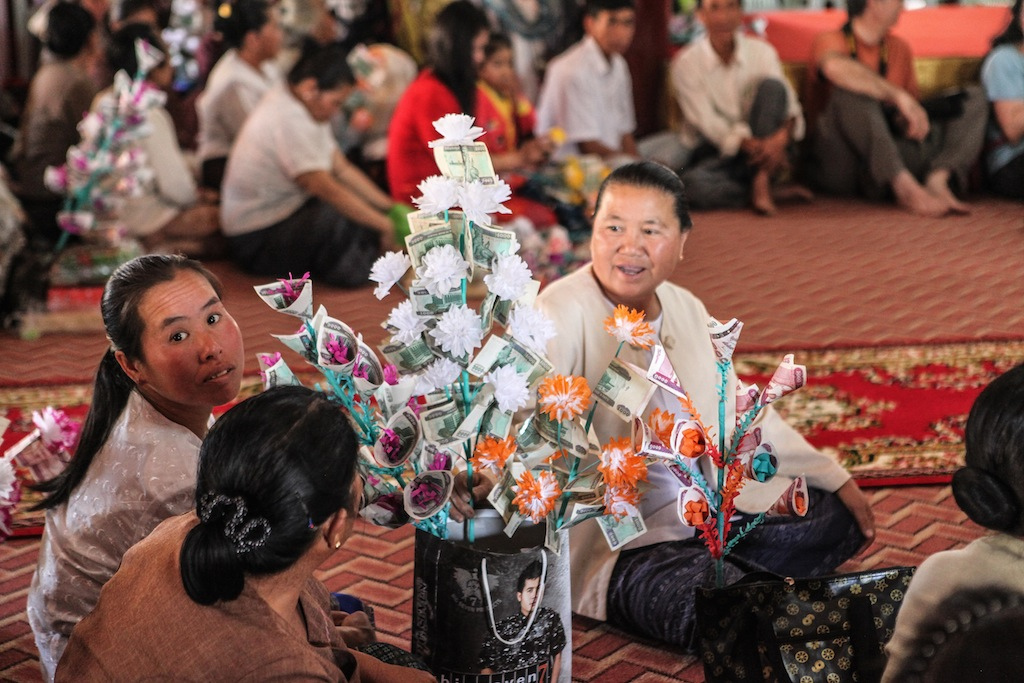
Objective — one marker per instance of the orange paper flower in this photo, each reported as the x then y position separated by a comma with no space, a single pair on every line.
661,423
691,445
620,466
536,497
563,397
696,512
491,453
619,501
628,326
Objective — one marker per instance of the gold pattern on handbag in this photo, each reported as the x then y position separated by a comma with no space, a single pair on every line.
816,630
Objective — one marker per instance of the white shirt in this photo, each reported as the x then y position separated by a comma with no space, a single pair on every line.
232,91
588,96
173,189
716,97
279,142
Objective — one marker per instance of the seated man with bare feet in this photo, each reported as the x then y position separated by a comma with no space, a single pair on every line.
740,113
873,135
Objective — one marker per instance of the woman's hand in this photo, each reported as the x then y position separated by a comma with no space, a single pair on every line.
857,503
462,502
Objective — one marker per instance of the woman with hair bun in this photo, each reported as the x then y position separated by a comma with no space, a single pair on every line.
175,353
227,592
990,489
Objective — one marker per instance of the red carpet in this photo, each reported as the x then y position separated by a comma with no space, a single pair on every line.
891,415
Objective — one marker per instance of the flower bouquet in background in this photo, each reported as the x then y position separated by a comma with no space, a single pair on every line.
40,455
108,165
101,171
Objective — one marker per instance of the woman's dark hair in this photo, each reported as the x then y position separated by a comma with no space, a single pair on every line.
990,489
1013,35
233,20
122,297
496,43
271,471
653,175
326,64
971,635
121,47
450,50
68,27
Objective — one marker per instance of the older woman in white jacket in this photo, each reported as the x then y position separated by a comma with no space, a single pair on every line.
640,227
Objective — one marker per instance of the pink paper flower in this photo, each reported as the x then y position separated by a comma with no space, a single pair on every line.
58,431
337,349
390,442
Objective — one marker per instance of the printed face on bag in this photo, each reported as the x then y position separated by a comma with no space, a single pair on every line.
192,355
529,596
637,244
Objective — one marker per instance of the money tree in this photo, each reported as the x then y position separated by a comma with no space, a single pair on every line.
454,384
108,165
468,387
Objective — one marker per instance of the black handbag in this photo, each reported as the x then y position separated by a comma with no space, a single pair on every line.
830,629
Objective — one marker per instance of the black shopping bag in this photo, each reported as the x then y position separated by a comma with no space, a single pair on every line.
494,611
817,629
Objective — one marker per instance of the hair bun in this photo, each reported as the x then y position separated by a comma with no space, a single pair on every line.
986,499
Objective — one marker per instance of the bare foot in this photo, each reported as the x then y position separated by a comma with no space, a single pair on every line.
761,194
937,184
915,198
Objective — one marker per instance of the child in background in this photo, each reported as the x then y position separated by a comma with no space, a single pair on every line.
506,115
508,118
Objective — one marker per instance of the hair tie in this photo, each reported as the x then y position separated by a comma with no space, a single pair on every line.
245,535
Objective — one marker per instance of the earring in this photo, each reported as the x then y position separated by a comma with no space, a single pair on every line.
337,545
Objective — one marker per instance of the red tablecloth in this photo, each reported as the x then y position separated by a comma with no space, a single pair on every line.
931,31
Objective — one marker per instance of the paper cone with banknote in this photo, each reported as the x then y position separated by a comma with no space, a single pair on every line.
792,502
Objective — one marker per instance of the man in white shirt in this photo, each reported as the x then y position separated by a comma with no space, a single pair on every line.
741,114
237,82
588,92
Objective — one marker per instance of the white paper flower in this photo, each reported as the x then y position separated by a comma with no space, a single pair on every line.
479,200
510,388
458,330
147,56
439,194
531,327
509,277
90,126
437,375
387,270
456,129
443,269
409,326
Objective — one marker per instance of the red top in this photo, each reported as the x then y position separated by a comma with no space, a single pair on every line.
503,118
410,160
